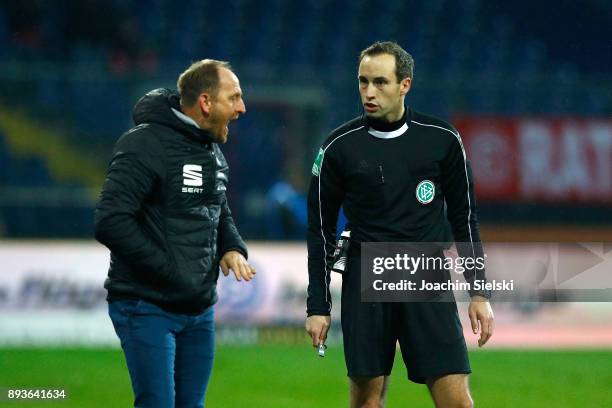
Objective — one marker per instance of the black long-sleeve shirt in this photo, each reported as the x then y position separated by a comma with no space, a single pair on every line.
374,170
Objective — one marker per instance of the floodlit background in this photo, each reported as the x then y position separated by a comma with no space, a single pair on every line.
527,84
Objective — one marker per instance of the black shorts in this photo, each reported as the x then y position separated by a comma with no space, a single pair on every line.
429,333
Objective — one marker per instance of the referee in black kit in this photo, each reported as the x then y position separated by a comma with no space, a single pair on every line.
373,166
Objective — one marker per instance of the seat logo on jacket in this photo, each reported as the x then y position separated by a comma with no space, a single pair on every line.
192,176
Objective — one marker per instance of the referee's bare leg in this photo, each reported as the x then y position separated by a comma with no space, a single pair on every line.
369,392
451,391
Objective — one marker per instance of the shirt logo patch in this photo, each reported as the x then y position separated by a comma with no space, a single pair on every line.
425,192
192,176
316,166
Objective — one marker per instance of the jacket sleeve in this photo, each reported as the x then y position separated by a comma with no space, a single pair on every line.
325,197
458,188
229,238
133,173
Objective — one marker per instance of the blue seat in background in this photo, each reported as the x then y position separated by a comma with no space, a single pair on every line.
5,160
27,172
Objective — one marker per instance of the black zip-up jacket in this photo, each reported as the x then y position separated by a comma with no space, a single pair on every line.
163,211
373,170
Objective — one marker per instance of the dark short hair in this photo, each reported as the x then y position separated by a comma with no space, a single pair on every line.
404,63
201,76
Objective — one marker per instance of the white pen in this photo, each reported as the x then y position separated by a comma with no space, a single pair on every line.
321,349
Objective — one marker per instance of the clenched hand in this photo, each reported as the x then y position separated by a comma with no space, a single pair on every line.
317,327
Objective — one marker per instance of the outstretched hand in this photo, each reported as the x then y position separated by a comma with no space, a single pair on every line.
235,261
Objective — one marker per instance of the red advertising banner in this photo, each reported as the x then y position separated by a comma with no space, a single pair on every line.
561,160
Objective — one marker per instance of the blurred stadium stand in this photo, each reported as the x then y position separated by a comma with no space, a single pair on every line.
71,71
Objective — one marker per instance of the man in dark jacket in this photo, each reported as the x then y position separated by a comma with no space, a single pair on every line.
163,213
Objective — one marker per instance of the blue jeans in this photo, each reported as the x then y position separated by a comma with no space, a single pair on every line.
169,356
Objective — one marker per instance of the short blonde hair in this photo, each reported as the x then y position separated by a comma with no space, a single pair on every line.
201,76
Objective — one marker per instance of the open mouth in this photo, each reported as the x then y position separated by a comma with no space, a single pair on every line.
230,120
370,107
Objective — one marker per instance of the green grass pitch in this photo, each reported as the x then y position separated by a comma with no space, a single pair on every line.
294,376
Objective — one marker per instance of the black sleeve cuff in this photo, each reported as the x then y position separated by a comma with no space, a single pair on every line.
485,293
317,313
